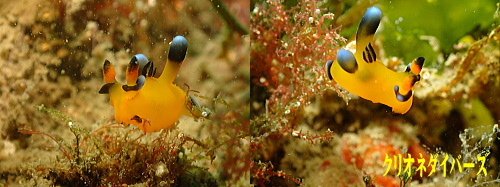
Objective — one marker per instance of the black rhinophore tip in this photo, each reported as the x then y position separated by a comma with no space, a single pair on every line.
134,61
106,65
370,21
420,61
133,64
178,49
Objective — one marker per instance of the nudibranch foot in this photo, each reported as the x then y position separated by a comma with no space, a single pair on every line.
136,118
361,73
144,122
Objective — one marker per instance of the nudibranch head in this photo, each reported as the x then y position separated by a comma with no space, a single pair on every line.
361,73
148,100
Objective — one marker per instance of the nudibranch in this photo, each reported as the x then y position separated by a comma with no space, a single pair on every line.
361,73
149,99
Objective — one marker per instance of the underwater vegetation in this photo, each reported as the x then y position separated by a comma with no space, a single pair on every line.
104,157
58,130
461,22
310,131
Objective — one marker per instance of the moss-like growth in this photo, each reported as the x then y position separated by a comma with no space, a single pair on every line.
109,156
